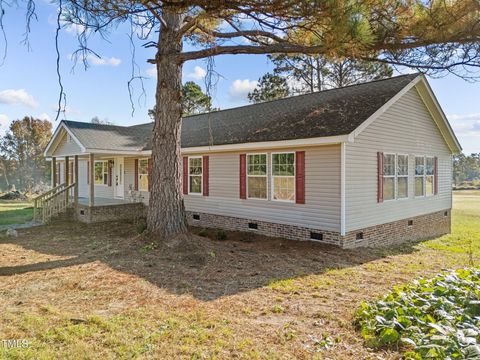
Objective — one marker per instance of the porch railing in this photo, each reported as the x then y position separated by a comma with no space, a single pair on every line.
53,202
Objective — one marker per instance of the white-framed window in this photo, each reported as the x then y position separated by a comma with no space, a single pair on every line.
143,174
402,176
257,176
388,177
101,172
430,176
419,175
283,176
195,175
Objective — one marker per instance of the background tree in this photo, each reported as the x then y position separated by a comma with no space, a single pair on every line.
22,150
97,120
194,100
432,36
466,168
310,73
269,87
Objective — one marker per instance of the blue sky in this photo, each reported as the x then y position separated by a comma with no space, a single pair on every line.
28,81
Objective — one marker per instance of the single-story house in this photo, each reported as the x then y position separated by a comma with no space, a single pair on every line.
362,165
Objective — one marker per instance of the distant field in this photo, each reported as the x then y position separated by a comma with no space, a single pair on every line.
14,212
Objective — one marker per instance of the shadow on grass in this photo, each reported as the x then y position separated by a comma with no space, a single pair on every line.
212,269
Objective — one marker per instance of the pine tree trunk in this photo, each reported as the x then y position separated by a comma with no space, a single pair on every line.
166,211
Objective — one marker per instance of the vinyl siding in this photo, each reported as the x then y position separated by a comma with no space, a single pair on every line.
65,148
322,191
83,187
129,164
405,128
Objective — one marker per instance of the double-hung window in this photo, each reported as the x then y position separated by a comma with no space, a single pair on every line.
419,175
402,176
430,176
101,172
257,176
195,174
283,176
388,176
143,174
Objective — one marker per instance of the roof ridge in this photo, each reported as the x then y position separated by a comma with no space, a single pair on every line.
295,96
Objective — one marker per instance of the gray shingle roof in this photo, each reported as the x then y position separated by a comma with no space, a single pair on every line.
326,113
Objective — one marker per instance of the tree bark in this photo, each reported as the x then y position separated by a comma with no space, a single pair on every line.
166,211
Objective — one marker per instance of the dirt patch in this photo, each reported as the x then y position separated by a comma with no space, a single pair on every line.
245,296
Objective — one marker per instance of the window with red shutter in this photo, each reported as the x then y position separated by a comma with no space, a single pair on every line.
205,175
136,175
300,177
243,176
185,175
149,167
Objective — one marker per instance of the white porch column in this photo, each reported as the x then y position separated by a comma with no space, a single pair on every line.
75,178
54,171
67,171
91,193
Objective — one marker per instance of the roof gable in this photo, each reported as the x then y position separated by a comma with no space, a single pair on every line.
432,105
334,114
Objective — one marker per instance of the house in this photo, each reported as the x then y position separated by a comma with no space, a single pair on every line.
362,165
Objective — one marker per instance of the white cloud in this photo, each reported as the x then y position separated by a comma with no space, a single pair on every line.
3,119
198,73
465,124
73,28
240,88
17,97
151,72
44,116
99,61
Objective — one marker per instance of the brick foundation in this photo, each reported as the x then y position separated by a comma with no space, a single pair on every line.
116,212
415,228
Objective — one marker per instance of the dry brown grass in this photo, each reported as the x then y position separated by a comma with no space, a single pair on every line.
100,291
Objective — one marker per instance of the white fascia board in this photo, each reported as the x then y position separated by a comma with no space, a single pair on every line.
328,140
384,108
117,152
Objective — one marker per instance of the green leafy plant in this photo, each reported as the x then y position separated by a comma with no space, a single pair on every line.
436,318
149,247
140,225
221,235
203,233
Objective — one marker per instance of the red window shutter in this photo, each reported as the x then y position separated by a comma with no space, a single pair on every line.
205,170
435,184
185,175
380,177
88,172
149,167
110,165
136,176
300,177
243,176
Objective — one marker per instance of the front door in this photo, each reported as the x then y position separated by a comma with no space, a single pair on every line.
119,175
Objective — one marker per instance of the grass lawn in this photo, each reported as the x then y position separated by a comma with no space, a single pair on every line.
101,292
15,212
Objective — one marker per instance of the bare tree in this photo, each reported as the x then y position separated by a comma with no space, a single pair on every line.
432,36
